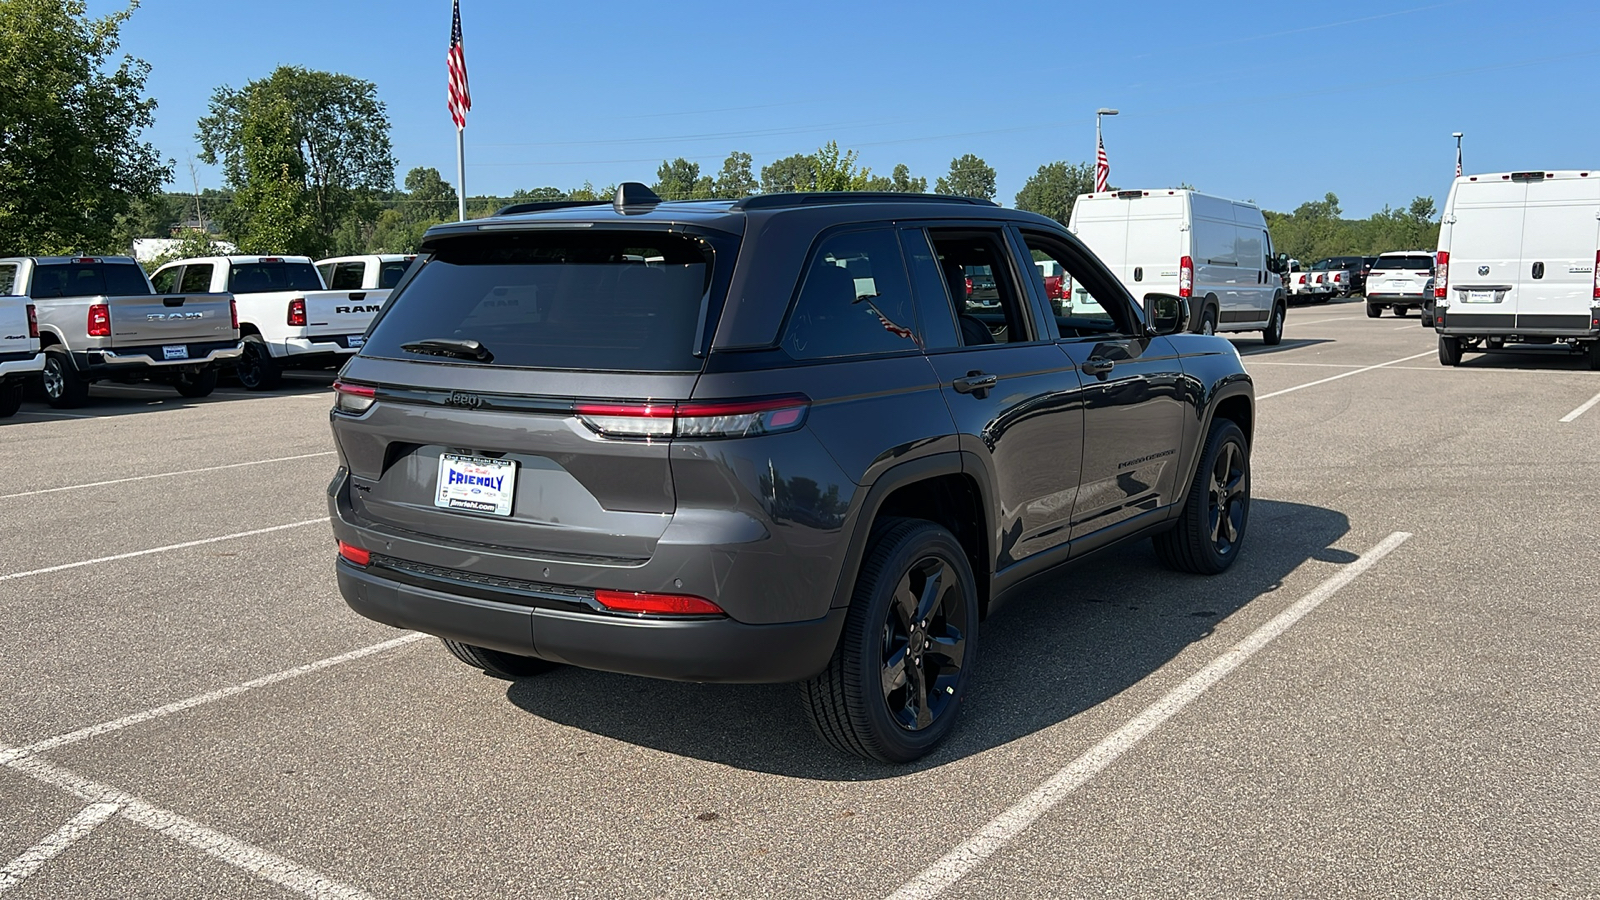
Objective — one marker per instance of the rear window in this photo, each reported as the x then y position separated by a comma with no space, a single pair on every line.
270,277
627,301
89,280
1418,263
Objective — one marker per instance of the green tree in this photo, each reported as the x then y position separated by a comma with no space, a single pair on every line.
538,195
681,180
736,181
1053,189
902,182
335,128
275,212
429,198
836,171
969,177
792,173
72,164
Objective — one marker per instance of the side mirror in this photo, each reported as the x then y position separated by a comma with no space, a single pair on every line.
1165,313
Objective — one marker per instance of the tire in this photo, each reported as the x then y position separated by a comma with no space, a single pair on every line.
1208,321
64,388
1272,335
1374,310
914,601
509,666
197,384
257,370
11,397
1207,538
1449,351
1594,356
1400,312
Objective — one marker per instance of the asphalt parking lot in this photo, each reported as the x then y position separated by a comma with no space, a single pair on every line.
1392,693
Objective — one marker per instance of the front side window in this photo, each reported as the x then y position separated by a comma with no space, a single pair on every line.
196,279
855,300
1082,299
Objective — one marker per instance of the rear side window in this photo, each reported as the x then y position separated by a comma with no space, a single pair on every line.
8,280
89,280
1416,263
623,301
347,276
855,300
166,280
391,273
270,277
196,279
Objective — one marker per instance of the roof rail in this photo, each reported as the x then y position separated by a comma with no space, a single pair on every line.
543,205
774,201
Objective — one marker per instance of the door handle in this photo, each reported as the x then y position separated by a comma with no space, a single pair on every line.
975,382
358,296
1097,365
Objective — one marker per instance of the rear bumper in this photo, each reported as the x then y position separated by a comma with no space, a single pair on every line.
1413,301
698,649
129,359
1448,321
304,349
21,363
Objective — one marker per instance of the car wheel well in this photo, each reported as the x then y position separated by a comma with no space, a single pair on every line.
1237,410
246,329
48,339
954,502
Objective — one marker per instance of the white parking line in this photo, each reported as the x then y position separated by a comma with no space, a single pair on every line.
169,547
1315,321
88,819
1590,404
1003,829
83,734
1345,374
261,863
75,487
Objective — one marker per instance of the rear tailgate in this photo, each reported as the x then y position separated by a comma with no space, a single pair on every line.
16,341
175,319
342,313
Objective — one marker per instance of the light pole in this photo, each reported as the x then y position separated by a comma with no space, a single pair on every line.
1457,136
1101,163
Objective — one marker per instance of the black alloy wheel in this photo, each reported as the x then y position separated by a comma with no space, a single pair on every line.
257,370
895,684
1208,536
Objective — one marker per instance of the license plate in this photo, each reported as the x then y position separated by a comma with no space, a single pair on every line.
1480,297
355,341
175,351
476,483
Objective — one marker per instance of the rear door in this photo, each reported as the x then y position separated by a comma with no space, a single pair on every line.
1560,233
1486,253
587,349
1156,245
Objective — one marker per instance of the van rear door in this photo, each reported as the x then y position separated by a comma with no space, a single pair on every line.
1156,244
1486,253
1560,233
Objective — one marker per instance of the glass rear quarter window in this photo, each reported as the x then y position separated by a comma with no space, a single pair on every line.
627,301
855,300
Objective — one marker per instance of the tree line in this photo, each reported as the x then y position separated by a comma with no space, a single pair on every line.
308,167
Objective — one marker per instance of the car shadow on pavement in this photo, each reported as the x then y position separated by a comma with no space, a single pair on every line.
1256,348
1067,643
107,399
1531,359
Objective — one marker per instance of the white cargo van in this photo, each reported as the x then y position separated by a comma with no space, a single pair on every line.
1519,262
1214,251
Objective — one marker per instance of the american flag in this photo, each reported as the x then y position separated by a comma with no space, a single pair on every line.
1102,166
1458,160
460,96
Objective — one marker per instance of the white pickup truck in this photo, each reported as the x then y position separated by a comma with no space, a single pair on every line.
99,319
20,356
374,275
288,319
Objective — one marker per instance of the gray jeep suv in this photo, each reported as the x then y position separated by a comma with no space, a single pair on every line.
768,440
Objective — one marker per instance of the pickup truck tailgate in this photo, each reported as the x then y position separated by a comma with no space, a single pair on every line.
331,313
15,339
143,321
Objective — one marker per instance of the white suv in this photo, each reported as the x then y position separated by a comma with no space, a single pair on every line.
1400,280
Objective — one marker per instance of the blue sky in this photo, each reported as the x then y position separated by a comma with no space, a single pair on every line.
1275,102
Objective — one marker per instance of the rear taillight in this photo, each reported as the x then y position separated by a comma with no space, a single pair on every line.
656,604
716,419
1185,277
969,287
1338,277
99,320
297,311
352,553
1441,276
1302,279
1597,275
33,321
233,314
354,399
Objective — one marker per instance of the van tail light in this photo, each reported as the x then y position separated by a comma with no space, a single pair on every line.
354,399
1441,278
99,320
657,604
353,554
233,314
33,321
1597,275
297,311
693,419
1185,277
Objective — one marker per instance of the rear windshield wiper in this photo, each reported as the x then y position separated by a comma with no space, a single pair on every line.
447,347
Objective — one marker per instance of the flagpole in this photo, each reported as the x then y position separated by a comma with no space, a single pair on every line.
461,173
